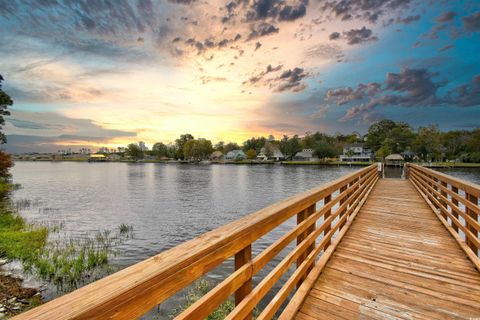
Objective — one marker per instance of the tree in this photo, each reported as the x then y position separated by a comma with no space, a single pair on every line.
378,132
251,154
254,143
5,160
5,102
197,149
160,150
180,142
290,146
324,149
134,151
427,143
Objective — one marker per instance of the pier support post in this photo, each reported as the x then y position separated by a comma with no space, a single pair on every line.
241,258
325,217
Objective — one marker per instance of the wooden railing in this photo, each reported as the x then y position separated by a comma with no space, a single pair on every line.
455,202
137,289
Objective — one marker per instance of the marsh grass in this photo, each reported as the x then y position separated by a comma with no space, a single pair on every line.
199,289
66,262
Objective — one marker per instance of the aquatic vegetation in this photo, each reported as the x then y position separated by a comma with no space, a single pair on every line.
199,289
125,228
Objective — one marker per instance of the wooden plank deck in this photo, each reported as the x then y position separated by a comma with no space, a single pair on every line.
397,261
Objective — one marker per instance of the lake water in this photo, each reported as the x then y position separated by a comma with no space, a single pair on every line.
165,203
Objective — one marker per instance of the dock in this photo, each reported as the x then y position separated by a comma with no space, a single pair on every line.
363,248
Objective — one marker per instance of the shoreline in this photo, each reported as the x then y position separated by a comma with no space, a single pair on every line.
440,165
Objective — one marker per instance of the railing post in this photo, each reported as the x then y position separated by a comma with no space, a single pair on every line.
474,216
454,212
243,257
325,217
301,216
342,189
444,204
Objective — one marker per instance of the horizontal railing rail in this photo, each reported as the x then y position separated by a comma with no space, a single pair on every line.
137,289
455,202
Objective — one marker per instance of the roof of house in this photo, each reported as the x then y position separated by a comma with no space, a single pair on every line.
304,154
97,156
235,153
394,156
216,154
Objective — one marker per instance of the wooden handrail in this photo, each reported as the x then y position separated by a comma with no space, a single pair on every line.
135,290
455,202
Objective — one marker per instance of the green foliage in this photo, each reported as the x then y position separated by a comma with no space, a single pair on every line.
5,102
427,143
254,143
134,151
290,146
378,132
197,149
180,142
199,289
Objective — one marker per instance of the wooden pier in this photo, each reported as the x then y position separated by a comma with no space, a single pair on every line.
365,248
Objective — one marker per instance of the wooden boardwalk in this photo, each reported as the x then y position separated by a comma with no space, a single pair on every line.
397,261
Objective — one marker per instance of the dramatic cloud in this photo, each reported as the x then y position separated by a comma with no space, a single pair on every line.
290,80
467,95
262,9
256,78
34,131
334,36
346,95
446,17
261,30
408,19
445,48
367,10
356,36
472,22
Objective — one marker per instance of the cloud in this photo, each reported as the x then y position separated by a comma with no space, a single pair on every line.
334,36
261,30
446,16
370,10
256,78
408,19
357,36
408,88
445,48
472,22
290,80
44,131
467,95
262,9
346,95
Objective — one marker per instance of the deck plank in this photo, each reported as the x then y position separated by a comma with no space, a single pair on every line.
397,261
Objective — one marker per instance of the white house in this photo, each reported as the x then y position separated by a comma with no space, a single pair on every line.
304,155
235,155
277,155
356,152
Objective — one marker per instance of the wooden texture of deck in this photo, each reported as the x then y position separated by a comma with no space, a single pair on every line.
397,261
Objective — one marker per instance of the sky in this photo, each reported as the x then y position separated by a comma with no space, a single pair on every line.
110,72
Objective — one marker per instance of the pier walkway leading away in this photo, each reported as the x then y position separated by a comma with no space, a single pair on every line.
397,261
361,248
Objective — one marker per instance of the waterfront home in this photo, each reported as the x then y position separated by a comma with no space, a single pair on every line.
276,154
94,157
216,156
356,152
305,155
394,159
235,155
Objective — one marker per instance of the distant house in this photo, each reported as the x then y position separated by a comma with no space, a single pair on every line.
277,155
394,159
235,155
114,157
356,152
216,155
304,155
94,157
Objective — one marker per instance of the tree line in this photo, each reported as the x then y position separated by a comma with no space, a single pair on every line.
383,138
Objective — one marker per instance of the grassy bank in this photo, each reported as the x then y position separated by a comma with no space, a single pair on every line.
326,163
